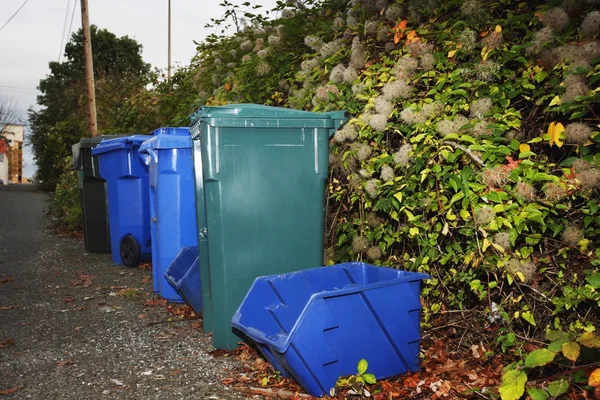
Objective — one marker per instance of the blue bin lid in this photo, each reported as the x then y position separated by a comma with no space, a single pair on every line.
181,130
119,143
163,141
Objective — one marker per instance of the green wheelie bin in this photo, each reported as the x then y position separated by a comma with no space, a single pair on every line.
260,175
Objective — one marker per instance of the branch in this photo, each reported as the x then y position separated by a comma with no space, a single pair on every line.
473,156
563,373
272,393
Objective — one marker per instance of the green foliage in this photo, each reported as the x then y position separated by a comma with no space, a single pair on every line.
356,383
64,207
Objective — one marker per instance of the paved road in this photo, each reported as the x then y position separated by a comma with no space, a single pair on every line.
74,326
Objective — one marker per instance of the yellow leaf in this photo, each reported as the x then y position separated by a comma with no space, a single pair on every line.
524,147
227,86
498,28
451,53
555,101
571,350
486,244
264,381
554,131
484,51
589,339
498,248
520,276
411,35
594,378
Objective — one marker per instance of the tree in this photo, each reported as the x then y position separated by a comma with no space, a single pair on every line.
9,113
119,72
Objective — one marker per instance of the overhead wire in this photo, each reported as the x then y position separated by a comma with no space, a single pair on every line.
62,38
14,15
71,23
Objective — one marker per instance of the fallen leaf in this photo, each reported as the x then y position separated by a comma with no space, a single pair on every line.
594,379
3,308
5,280
498,29
9,391
451,53
84,280
554,131
141,316
62,363
77,328
68,300
117,382
523,147
6,343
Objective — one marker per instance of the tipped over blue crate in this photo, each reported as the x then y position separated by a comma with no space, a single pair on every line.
316,325
184,275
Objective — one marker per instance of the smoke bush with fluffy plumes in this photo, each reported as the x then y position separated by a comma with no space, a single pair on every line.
493,40
467,40
351,21
526,268
402,156
387,173
445,127
589,179
502,239
432,109
556,18
486,70
262,68
394,12
337,73
591,50
473,9
378,122
554,191
581,165
323,92
329,49
263,53
360,244
481,129
373,220
409,116
577,133
572,235
339,136
246,45
480,108
374,253
351,132
314,42
495,177
427,62
419,48
484,215
309,65
358,56
365,174
274,40
370,28
397,89
408,65
524,191
382,106
459,122
371,187
259,43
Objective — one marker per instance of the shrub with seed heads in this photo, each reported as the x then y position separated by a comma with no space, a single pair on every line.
495,177
286,13
374,253
263,53
467,40
487,70
387,173
576,86
397,89
427,62
480,108
274,40
365,174
481,129
364,152
378,122
246,45
262,68
419,48
459,122
231,65
329,49
527,268
473,9
591,50
407,64
370,28
383,107
502,239
544,35
409,116
350,75
246,58
358,56
394,12
309,65
373,220
524,191
577,133
358,88
556,18
589,179
402,156
432,109
581,165
371,187
337,73
360,244
484,215
259,43
493,40
314,42
572,235
445,127
383,34
554,191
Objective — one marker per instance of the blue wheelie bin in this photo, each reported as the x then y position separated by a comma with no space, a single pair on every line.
168,155
126,178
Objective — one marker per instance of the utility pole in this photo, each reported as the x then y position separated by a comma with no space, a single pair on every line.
169,35
89,68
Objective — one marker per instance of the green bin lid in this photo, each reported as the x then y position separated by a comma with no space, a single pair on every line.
259,116
87,143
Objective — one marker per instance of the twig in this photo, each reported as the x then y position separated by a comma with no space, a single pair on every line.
563,373
467,151
152,323
476,391
270,392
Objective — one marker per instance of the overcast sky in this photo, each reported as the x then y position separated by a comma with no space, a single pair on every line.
33,37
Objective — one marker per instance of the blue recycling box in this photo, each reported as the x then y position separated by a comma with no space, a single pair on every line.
184,275
126,178
316,325
168,155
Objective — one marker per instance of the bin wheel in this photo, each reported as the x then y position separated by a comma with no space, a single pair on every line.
130,251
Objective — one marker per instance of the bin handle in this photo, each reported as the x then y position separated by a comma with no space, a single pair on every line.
149,154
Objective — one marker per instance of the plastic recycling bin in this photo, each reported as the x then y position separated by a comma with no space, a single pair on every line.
172,202
316,325
260,195
184,275
126,178
92,194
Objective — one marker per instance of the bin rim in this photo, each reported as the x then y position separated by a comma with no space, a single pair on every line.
171,130
282,343
109,145
164,141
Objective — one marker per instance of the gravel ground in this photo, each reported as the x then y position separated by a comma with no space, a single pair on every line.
62,340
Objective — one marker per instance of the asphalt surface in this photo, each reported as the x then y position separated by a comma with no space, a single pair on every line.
74,326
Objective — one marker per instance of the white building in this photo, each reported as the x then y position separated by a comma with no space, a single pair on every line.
14,135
